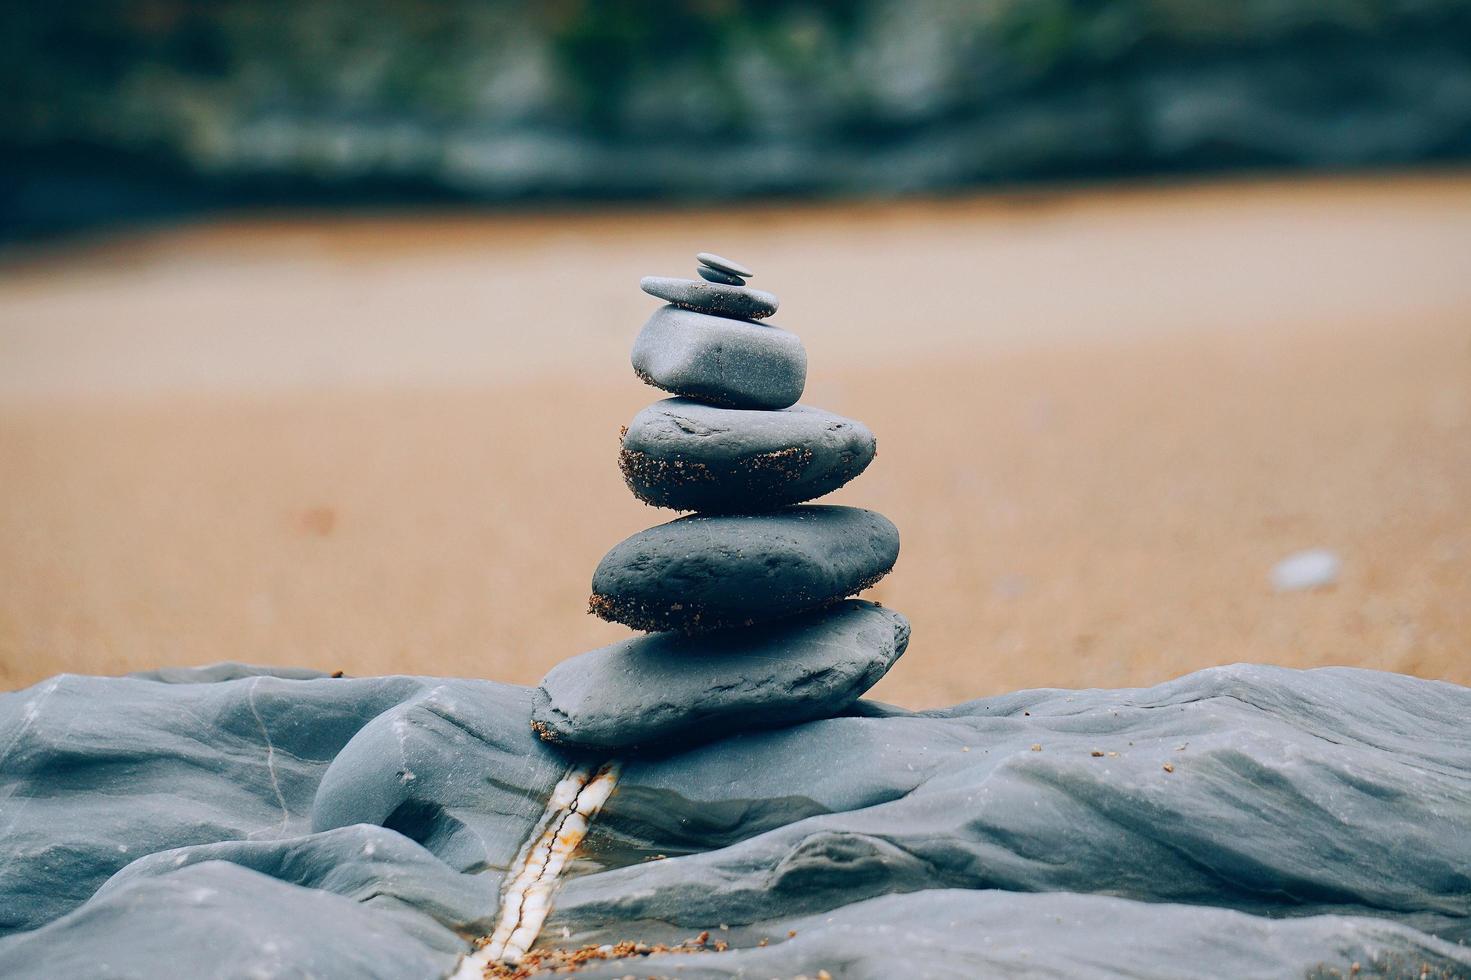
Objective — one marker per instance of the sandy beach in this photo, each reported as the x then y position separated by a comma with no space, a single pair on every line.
387,443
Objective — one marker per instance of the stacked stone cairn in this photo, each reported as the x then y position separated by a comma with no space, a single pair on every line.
747,600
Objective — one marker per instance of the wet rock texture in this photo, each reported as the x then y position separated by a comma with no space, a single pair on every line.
1241,821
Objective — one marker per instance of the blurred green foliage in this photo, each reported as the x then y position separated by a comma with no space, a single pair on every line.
496,99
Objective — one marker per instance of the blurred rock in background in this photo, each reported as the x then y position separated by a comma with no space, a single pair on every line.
137,109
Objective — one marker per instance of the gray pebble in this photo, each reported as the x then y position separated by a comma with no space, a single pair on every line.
714,261
714,298
1316,568
651,689
684,455
724,278
724,362
708,572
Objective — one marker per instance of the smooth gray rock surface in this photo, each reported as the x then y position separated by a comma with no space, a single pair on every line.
653,690
681,454
227,670
1292,793
716,299
711,571
222,920
159,745
722,264
724,278
427,767
725,362
994,934
373,865
301,756
1312,819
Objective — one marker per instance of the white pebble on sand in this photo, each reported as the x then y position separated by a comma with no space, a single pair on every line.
1315,568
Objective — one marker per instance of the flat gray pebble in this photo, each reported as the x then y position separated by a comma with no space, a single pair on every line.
724,278
717,299
1316,568
651,689
731,363
723,264
707,572
684,455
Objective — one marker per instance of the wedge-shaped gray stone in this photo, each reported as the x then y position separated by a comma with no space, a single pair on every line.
724,278
708,572
653,689
684,455
718,299
721,263
725,362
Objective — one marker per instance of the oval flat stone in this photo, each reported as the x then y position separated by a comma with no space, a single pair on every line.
715,275
710,571
725,362
684,455
652,689
720,262
717,299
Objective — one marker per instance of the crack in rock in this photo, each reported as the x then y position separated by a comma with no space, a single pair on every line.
527,898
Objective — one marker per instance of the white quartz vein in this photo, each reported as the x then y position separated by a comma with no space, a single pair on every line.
270,755
526,900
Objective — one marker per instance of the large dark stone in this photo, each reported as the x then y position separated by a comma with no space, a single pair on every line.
708,572
656,689
687,456
725,362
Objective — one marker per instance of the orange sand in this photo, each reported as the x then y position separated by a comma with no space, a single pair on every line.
389,444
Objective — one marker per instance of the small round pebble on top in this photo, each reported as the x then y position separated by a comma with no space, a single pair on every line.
712,261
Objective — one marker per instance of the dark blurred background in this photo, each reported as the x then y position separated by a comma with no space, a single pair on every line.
116,110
